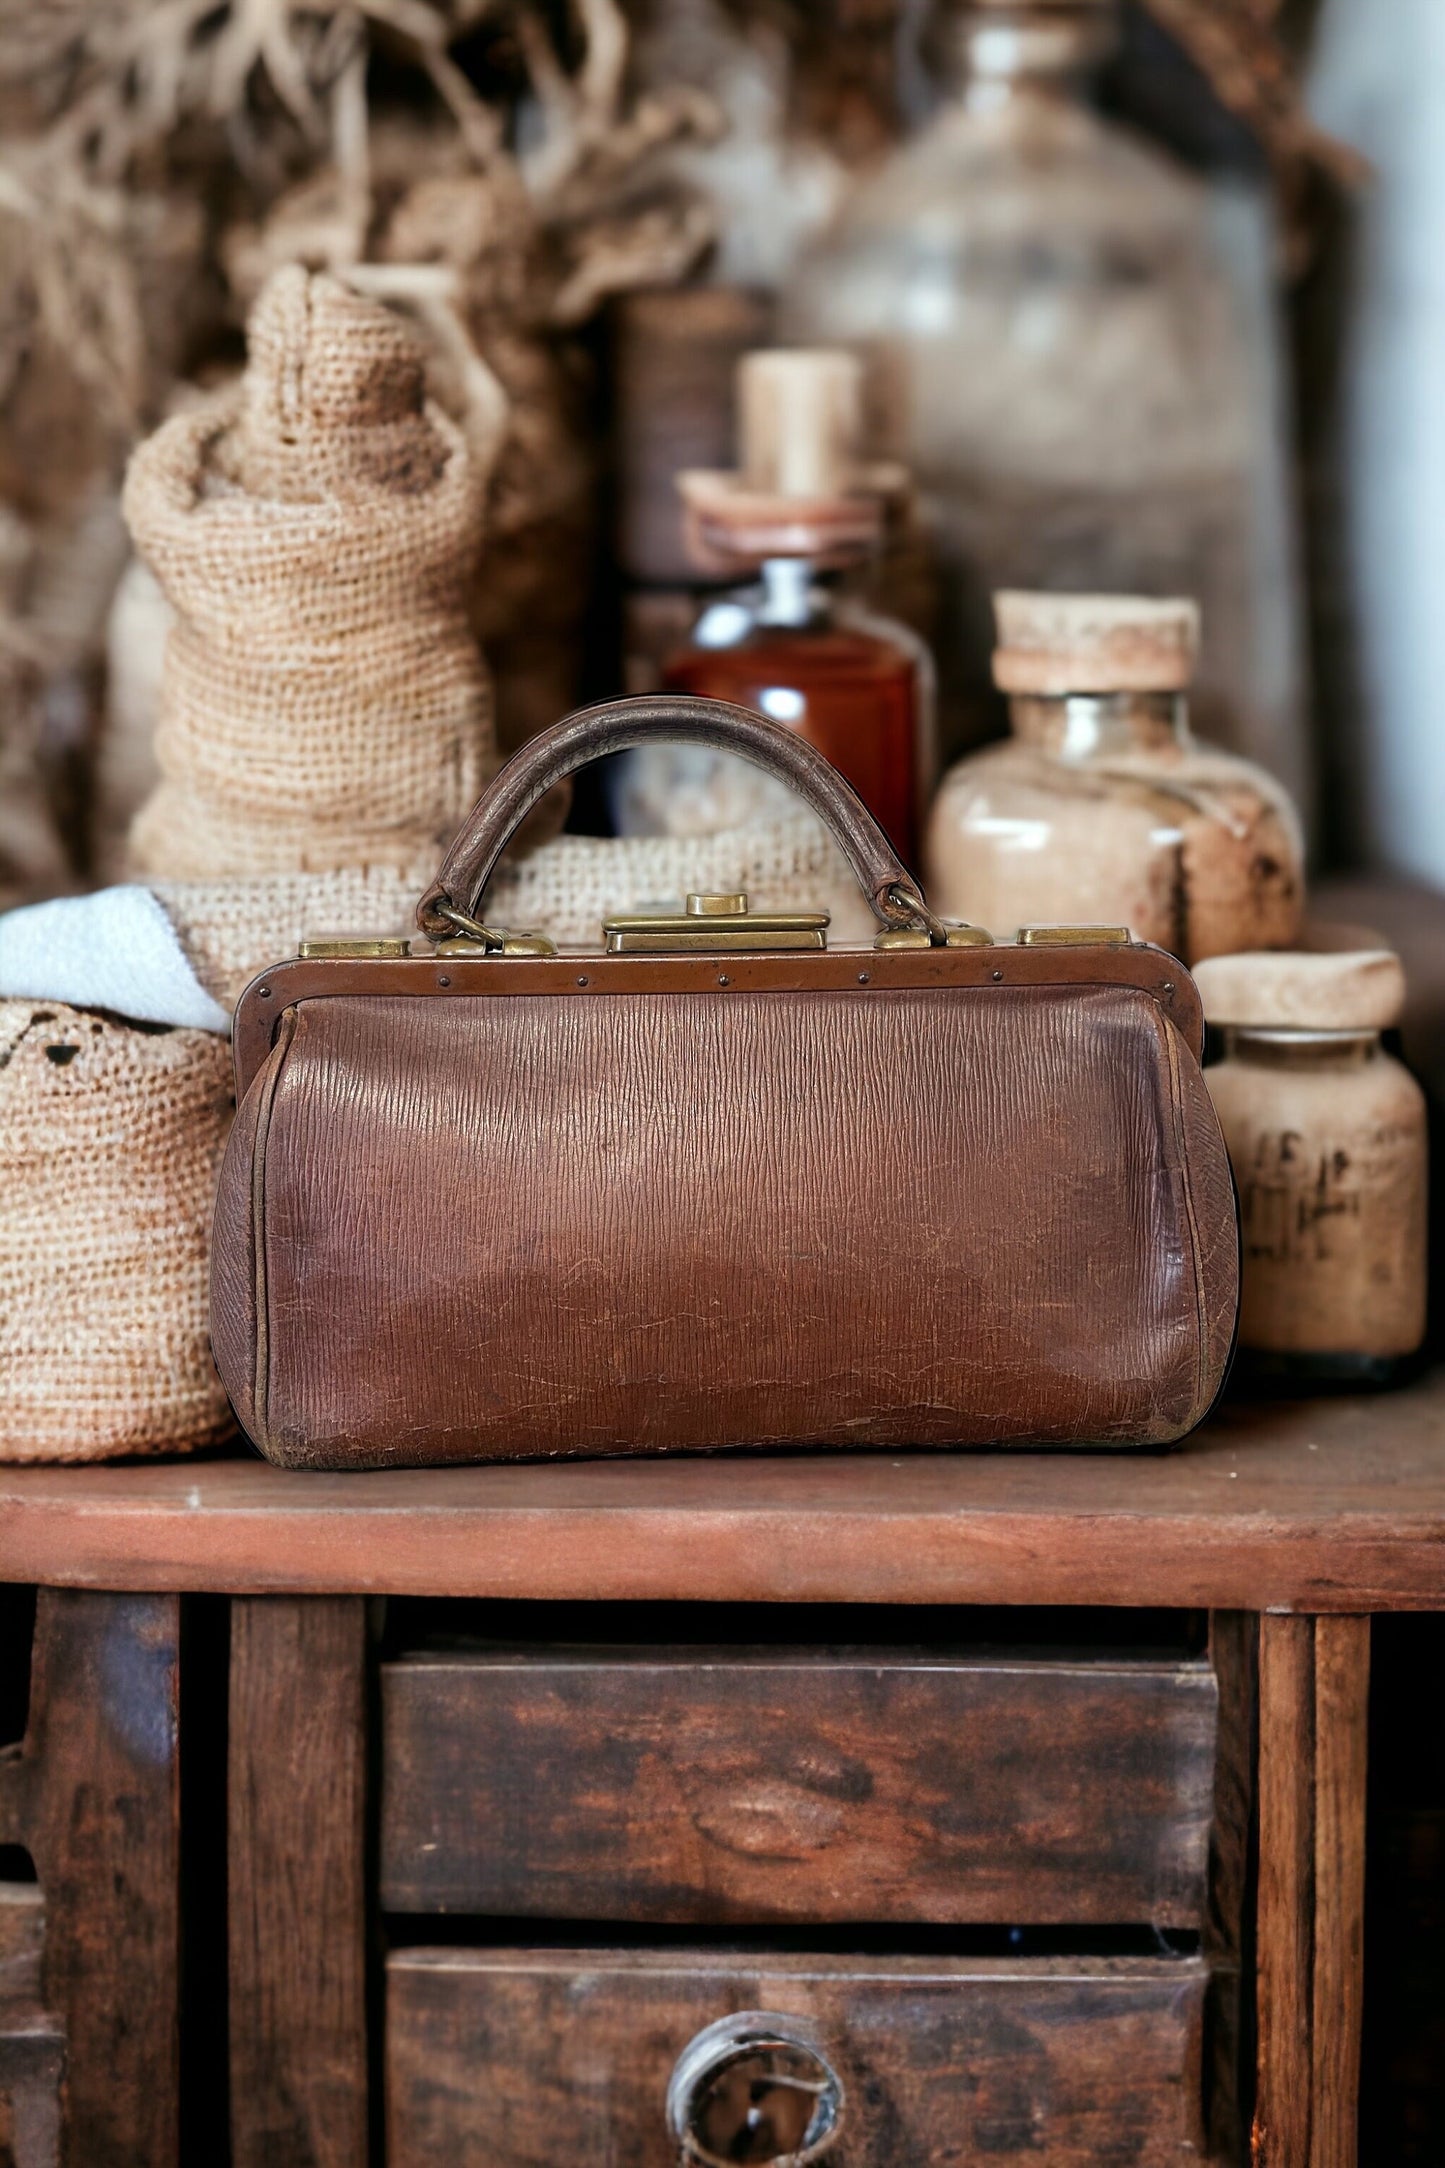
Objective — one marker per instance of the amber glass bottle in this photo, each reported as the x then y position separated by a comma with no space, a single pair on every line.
823,665
792,641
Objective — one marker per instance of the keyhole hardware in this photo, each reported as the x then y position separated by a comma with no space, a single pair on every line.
751,2090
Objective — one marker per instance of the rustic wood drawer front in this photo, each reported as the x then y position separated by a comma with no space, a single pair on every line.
752,1788
512,2059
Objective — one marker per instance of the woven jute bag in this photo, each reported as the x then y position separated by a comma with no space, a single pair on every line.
110,1141
315,527
233,929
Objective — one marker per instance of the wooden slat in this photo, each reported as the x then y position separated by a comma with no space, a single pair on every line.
297,1896
1285,1954
94,1796
1342,1678
1229,1930
22,1941
514,2059
32,2063
1313,1719
718,1785
1323,1506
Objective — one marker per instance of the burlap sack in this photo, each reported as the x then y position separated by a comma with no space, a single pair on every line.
233,929
323,702
110,1141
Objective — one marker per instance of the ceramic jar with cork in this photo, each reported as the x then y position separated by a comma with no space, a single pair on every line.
1101,806
802,512
1327,1135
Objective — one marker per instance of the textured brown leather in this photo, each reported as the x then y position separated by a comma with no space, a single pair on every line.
589,978
454,1227
614,726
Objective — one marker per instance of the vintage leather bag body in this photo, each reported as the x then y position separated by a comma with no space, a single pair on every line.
489,1203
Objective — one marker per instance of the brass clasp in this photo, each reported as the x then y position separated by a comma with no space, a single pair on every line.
345,945
715,925
1073,937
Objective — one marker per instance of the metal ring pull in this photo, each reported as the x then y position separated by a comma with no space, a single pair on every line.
909,900
754,2089
472,929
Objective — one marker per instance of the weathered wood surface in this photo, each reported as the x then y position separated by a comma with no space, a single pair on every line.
1228,1927
297,1888
32,2064
1313,1708
1318,1506
22,1942
514,2059
93,1794
32,2049
1342,1680
718,1785
1286,1892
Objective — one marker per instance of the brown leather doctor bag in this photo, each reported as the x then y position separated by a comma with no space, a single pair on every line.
712,1183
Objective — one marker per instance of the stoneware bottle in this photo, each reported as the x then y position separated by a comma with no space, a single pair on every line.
1101,806
1326,1132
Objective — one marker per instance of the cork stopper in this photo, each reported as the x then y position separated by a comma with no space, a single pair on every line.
800,422
1049,645
800,489
334,395
1304,989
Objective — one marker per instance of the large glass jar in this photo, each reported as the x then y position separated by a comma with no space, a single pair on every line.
1102,806
1073,344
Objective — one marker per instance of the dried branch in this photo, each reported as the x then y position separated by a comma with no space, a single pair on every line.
1234,44
434,294
136,71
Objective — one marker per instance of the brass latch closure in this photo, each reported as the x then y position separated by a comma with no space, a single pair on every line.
1073,937
715,926
352,947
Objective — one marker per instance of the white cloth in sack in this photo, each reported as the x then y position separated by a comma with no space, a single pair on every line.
114,950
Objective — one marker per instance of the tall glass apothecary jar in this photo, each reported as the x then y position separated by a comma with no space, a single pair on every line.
1102,806
1074,346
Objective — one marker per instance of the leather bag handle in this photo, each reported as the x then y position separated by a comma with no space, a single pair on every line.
615,725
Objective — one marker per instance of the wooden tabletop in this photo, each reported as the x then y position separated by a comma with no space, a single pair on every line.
1323,1505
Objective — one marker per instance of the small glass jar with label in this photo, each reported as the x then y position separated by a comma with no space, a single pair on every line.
1327,1136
